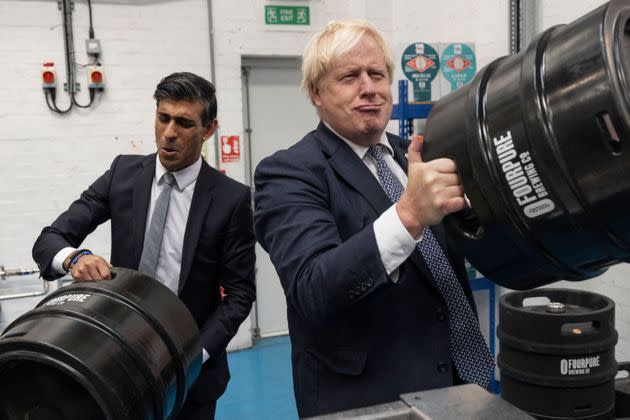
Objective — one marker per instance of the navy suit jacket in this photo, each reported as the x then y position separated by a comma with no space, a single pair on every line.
358,339
218,249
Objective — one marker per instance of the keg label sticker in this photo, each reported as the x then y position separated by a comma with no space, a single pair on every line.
74,297
580,366
522,178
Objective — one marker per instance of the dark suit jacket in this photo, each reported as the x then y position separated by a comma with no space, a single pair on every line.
218,249
358,339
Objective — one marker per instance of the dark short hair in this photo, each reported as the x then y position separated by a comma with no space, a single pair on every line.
185,86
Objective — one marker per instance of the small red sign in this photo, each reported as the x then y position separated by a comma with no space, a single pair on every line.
230,149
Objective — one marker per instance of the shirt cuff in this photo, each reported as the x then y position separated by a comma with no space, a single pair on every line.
59,258
394,242
205,356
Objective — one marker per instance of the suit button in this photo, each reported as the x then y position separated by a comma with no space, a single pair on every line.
442,367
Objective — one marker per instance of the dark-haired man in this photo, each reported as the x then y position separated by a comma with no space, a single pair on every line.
206,241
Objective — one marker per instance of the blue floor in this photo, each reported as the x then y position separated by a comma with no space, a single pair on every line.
261,386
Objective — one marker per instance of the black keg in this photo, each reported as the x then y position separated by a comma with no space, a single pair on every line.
125,349
557,353
539,141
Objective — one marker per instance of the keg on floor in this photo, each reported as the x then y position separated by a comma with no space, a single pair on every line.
622,392
125,349
539,141
557,353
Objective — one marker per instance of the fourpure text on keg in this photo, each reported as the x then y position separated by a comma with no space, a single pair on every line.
522,177
579,366
74,297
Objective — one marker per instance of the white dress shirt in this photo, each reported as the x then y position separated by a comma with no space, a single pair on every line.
170,260
394,242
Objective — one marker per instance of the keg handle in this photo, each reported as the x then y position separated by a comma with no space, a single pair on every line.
465,222
624,366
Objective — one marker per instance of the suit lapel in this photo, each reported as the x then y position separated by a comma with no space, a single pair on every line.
351,168
400,150
196,216
141,199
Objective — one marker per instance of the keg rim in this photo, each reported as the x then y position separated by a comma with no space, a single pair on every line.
63,364
514,300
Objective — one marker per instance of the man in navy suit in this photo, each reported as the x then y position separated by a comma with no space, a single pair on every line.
366,319
207,242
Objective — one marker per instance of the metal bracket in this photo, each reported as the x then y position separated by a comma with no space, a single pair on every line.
59,4
77,87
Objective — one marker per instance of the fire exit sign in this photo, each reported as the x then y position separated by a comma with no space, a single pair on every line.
287,15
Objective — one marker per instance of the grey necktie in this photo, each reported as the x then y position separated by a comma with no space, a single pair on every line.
472,358
153,238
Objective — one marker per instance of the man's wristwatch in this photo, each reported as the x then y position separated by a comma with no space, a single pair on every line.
74,257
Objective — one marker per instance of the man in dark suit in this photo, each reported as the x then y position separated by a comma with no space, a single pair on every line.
207,241
369,315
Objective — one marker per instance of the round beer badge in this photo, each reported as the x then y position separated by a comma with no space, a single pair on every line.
420,63
459,64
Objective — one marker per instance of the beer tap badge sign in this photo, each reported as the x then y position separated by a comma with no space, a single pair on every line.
459,64
420,63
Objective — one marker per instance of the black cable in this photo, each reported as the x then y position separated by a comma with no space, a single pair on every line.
71,64
78,65
92,91
84,106
89,2
68,45
54,107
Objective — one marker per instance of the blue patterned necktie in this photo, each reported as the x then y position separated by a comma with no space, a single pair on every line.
153,238
471,356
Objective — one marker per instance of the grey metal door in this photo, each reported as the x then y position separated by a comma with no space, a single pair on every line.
277,115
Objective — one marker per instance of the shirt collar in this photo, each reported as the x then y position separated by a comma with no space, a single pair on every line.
183,177
359,149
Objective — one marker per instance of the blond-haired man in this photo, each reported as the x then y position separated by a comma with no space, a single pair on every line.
344,216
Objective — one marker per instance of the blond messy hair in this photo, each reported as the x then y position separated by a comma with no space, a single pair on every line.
337,39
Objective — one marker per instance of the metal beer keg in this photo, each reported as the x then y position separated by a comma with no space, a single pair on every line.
557,358
125,349
539,141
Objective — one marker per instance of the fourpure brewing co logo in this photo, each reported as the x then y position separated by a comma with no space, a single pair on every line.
522,177
580,366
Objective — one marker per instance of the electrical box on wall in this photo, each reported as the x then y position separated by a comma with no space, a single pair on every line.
96,78
93,47
49,76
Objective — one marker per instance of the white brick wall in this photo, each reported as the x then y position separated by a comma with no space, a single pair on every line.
48,159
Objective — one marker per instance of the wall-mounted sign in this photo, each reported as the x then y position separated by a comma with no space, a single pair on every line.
420,63
287,15
459,64
230,149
